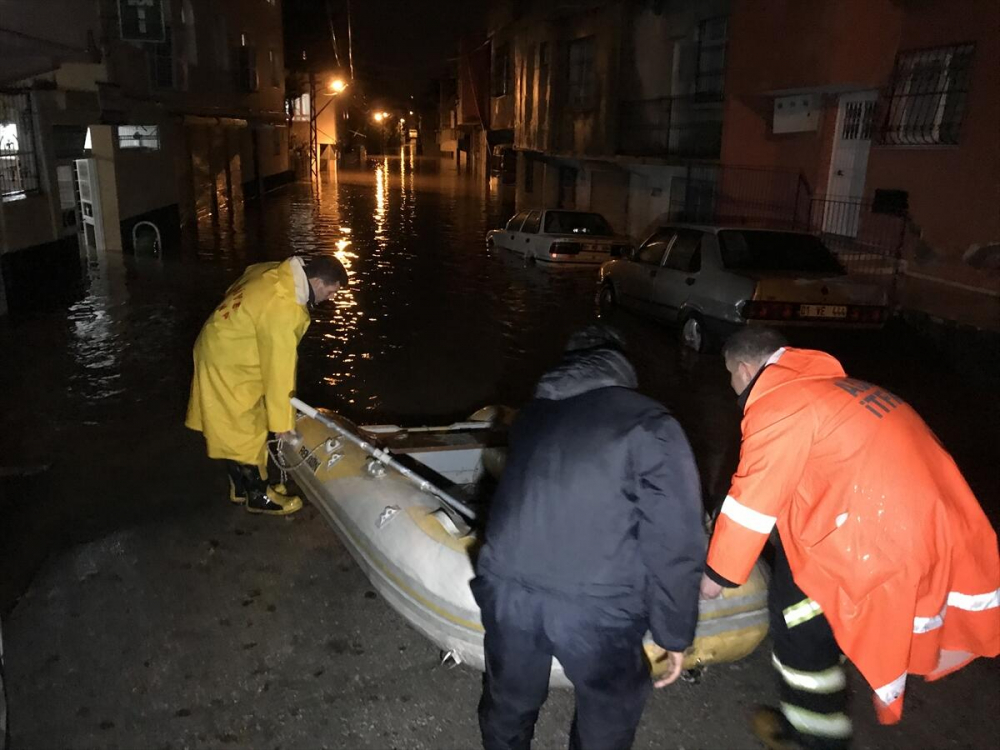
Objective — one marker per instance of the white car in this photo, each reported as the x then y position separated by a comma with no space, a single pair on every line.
559,237
712,280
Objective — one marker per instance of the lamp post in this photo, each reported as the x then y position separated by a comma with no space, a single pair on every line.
381,118
334,87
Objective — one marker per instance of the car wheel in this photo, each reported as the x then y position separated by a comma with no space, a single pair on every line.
529,259
606,299
694,335
490,244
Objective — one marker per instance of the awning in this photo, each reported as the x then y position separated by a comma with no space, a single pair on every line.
225,122
500,137
830,89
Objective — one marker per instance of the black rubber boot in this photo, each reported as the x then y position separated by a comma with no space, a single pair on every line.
237,486
264,499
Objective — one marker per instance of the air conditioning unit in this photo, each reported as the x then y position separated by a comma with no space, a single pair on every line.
796,113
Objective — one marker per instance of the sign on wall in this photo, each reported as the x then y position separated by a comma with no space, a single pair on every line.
141,20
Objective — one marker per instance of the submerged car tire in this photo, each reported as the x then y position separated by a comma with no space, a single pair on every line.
695,335
607,300
490,243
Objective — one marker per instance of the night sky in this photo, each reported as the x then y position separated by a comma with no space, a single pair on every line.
399,45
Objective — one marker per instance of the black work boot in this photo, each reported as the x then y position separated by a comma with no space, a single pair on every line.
263,499
770,726
237,486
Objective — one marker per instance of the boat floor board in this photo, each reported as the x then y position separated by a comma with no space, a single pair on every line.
426,442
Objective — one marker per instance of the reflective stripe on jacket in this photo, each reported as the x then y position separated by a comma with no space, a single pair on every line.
244,363
879,525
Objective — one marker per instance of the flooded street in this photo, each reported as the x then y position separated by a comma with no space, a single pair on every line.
149,613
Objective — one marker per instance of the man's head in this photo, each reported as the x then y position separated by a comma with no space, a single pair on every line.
596,336
326,275
746,351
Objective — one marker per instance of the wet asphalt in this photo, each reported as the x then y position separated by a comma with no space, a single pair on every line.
141,610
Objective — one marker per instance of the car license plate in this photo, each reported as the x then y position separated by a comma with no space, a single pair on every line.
822,311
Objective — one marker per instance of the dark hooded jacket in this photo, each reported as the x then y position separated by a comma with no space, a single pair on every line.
600,500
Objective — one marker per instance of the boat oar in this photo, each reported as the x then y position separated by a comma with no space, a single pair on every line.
385,458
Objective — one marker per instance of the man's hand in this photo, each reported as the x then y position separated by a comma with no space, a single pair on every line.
285,436
674,660
709,588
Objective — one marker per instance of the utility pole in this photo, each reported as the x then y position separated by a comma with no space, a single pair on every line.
313,131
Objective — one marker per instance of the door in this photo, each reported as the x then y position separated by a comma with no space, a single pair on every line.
528,238
89,191
849,163
508,237
635,285
609,196
675,286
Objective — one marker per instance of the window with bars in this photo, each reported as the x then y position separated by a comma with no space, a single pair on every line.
926,99
275,64
711,71
160,56
18,161
301,109
582,83
503,72
858,119
246,66
139,137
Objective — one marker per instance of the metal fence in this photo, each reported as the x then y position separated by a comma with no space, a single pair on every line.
867,242
18,163
746,196
686,127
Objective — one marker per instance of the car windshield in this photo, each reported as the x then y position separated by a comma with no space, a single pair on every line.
576,222
746,250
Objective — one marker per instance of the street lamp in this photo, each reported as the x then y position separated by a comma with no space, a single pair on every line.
337,85
379,116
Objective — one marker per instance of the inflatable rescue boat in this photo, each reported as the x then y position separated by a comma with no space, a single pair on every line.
405,502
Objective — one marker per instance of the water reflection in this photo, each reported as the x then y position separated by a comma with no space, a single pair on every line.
432,325
381,198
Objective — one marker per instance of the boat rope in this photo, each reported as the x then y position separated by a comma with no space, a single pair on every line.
278,456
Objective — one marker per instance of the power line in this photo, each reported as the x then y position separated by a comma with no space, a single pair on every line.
350,40
333,32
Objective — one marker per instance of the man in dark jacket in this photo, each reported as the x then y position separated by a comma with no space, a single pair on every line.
595,536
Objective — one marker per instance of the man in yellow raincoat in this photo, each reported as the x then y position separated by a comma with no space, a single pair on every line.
244,370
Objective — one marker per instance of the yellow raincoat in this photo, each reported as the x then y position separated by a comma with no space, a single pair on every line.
244,362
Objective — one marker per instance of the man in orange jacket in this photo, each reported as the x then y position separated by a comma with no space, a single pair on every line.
885,555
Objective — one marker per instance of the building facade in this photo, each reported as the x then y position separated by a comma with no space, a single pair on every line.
872,123
881,107
611,107
139,120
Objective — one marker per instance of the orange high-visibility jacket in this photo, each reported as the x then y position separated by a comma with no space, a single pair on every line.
879,526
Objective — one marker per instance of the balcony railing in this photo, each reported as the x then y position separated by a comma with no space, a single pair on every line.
678,126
